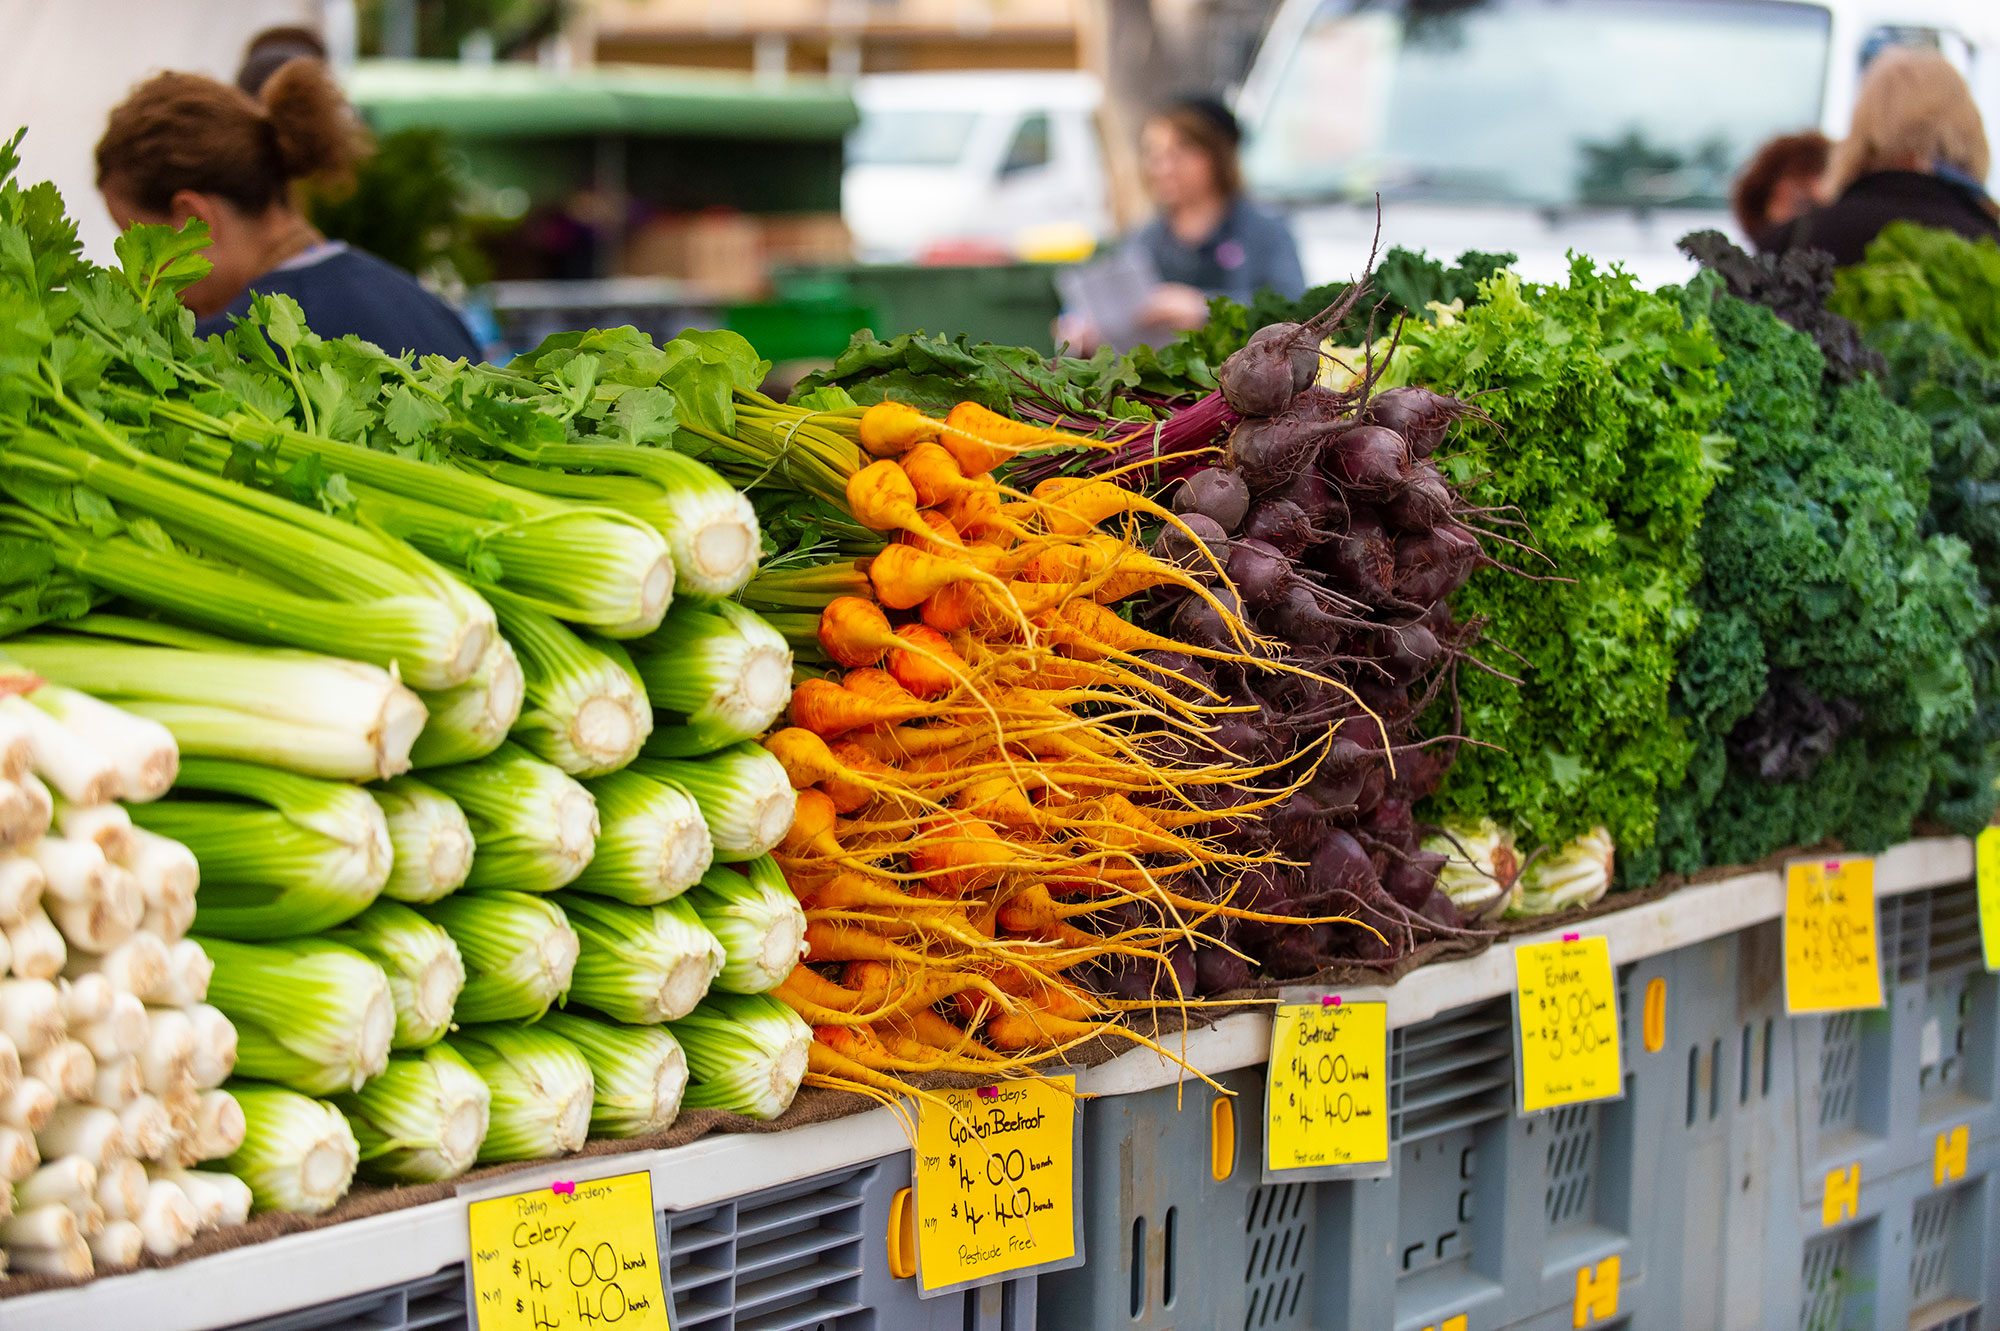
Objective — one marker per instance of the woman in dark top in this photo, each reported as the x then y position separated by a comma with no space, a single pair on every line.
183,146
1208,240
1917,152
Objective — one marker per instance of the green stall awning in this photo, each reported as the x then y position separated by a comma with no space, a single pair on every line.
516,101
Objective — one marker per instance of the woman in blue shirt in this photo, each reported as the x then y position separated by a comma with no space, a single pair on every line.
1207,240
183,146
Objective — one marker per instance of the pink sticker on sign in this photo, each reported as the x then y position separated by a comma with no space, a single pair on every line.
563,1189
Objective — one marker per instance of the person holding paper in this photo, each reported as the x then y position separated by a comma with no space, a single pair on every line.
1207,239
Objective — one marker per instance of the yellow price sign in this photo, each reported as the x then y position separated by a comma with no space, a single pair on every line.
1988,862
1830,959
570,1257
1566,1004
1326,1097
995,1179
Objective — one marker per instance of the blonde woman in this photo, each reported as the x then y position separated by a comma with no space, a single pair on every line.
1916,152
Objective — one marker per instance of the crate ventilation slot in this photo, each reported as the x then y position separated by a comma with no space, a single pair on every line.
1839,1069
1452,1071
1279,1226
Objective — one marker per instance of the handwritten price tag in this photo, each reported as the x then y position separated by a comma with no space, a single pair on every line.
995,1182
574,1257
1830,962
1989,894
1566,1004
1327,1095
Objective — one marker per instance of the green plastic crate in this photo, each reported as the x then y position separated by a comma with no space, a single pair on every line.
1011,304
798,329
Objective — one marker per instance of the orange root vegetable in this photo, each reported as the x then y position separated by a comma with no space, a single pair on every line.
830,711
805,756
905,577
890,429
981,439
881,498
827,941
855,891
1002,800
1074,505
812,831
924,662
961,855
938,479
893,992
808,985
964,605
1092,632
853,632
880,686
981,513
939,537
927,1026
1034,1029
836,1071
861,1045
848,776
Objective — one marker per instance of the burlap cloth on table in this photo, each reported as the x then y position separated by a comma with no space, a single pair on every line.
815,1105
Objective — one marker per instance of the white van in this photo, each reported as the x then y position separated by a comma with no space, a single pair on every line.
975,162
1608,127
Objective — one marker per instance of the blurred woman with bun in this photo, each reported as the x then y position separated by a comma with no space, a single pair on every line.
1207,238
186,147
1916,152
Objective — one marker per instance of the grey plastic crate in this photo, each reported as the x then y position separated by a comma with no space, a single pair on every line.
807,1256
1168,1242
1878,1088
434,1301
1916,1257
1486,1215
1717,1101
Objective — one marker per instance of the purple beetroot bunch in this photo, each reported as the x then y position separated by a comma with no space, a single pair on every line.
1343,541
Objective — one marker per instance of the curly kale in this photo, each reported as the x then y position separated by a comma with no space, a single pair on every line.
1600,436
1830,666
1957,394
1913,273
1795,286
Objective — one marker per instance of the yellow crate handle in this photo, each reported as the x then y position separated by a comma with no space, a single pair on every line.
902,1235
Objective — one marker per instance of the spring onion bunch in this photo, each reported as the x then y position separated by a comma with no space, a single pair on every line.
289,855
760,924
709,524
541,1086
592,566
421,962
422,1120
654,845
639,1073
586,710
744,794
717,672
431,839
642,964
746,1053
519,951
315,715
309,1014
534,829
472,718
298,1153
253,564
